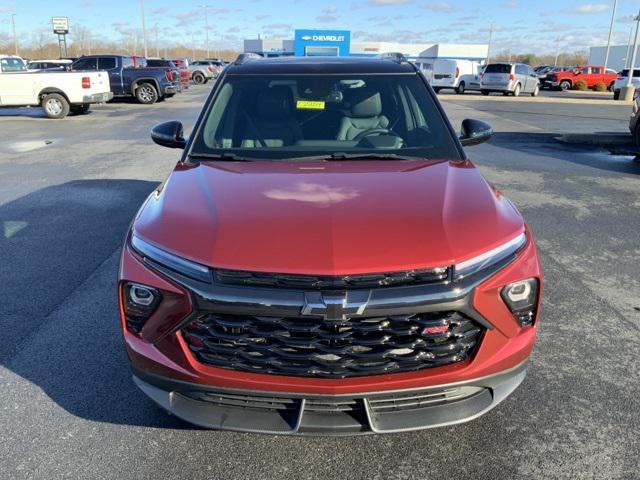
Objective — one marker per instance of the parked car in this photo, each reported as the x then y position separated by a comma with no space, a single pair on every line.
623,78
58,93
48,65
590,74
634,119
454,74
509,79
147,85
304,269
202,71
542,76
183,73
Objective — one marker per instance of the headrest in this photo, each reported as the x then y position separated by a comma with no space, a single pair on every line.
275,103
365,103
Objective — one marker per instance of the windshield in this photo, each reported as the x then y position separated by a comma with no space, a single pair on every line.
288,116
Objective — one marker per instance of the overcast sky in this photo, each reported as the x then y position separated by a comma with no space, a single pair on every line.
521,25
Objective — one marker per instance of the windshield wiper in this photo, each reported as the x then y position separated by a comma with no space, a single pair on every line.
219,156
367,156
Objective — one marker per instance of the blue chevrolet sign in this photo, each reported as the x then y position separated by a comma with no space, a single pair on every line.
313,43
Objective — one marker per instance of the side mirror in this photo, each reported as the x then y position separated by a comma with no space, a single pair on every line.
169,134
473,132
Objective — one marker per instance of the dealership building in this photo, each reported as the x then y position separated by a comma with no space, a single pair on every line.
340,43
619,56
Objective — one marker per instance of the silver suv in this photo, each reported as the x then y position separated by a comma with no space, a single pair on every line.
509,79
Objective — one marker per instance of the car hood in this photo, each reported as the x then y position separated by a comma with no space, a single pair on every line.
327,218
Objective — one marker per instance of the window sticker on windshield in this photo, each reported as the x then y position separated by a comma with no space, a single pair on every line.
310,105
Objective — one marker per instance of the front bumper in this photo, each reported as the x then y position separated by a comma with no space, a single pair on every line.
297,414
97,97
165,368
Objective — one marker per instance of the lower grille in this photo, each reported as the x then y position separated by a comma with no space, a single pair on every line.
313,346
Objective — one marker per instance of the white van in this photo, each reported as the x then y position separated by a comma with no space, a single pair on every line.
455,74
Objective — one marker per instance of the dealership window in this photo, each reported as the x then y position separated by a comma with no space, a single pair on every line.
321,51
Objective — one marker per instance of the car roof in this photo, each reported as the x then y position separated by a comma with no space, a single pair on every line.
318,65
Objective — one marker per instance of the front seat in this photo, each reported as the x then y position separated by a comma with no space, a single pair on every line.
273,124
365,113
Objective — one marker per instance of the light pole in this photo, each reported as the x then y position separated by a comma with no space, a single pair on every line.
489,43
626,92
155,29
613,19
144,30
555,63
206,27
15,37
626,59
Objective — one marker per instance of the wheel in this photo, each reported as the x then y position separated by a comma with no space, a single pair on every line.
565,85
147,94
198,78
516,90
536,91
80,109
460,88
436,89
484,92
616,95
55,105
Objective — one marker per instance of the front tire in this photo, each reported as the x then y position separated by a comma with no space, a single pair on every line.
616,95
484,92
198,78
146,94
55,106
565,85
516,90
436,89
536,91
460,88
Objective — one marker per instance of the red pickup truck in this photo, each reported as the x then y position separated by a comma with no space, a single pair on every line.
591,74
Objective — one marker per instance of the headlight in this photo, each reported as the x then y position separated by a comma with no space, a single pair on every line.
522,298
475,264
169,260
140,301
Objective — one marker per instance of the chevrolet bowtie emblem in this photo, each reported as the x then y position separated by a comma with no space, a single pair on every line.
335,306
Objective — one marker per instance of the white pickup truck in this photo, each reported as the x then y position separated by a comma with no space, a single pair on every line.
58,93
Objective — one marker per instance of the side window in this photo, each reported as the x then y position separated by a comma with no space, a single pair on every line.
12,65
585,71
85,64
596,70
521,70
106,63
127,62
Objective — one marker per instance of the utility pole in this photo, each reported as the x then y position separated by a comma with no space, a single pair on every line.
626,92
144,29
489,44
555,63
206,28
613,20
15,37
155,30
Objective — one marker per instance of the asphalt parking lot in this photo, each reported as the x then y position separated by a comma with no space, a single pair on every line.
68,190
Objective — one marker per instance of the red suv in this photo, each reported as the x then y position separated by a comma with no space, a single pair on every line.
325,259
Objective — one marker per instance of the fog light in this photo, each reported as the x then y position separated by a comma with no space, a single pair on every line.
522,298
140,301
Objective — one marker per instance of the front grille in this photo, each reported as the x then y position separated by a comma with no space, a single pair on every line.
313,346
371,280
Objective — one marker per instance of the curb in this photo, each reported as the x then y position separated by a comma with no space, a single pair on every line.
603,139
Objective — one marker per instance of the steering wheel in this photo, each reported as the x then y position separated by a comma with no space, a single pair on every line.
372,131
